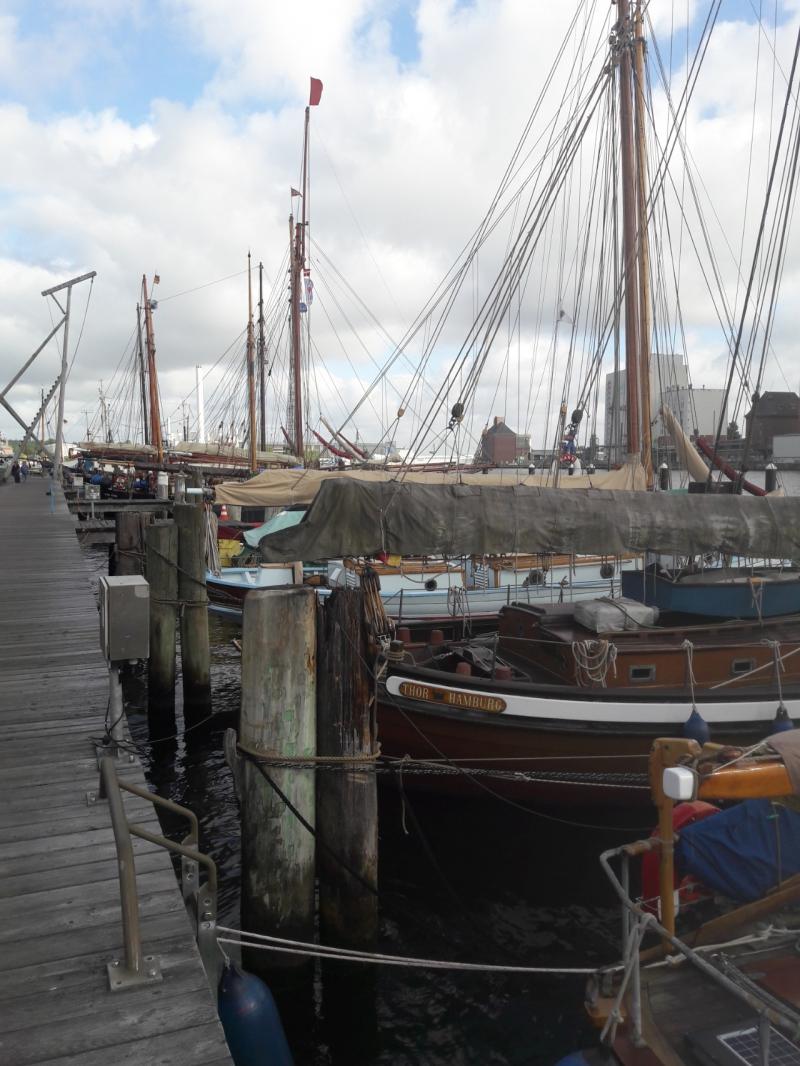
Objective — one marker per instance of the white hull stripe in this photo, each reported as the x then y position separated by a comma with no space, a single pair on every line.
606,712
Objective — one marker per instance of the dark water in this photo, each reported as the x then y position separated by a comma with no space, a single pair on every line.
472,881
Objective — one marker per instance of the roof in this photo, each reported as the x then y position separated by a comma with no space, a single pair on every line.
776,403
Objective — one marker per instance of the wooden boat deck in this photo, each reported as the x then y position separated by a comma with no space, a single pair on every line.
59,891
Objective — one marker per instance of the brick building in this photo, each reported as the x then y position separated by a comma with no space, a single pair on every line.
775,413
500,445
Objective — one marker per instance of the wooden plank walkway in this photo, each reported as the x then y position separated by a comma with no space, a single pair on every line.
59,892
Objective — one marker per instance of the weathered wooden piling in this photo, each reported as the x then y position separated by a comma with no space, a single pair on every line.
129,529
278,721
347,799
195,654
161,548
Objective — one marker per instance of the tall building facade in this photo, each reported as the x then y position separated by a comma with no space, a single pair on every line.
667,371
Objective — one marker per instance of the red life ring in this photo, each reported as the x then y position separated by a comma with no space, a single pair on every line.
688,891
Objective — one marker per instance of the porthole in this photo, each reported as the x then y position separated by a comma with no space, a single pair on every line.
642,673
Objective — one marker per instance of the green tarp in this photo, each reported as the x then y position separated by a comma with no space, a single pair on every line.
352,518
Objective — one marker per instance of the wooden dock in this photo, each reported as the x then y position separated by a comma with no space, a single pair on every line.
60,917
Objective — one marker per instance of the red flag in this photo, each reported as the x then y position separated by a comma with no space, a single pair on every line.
294,192
316,92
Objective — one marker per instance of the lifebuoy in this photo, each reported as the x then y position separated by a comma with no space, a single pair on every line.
683,814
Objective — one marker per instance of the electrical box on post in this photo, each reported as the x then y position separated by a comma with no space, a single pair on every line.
124,618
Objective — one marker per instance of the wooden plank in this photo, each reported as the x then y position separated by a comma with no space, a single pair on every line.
197,1046
60,918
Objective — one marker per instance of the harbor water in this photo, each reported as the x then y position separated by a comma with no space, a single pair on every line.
481,882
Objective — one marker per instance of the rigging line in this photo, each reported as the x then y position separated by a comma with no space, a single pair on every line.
493,308
759,238
662,170
346,355
749,162
370,315
729,328
205,285
470,341
475,241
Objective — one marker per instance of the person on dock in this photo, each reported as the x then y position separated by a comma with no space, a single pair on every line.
24,470
15,471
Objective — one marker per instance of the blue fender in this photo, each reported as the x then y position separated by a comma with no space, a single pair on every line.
251,1020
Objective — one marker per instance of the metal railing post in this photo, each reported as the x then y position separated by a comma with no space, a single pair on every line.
137,969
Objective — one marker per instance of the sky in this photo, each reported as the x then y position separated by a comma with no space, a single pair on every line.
163,138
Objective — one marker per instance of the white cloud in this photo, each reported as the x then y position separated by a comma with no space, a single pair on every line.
417,147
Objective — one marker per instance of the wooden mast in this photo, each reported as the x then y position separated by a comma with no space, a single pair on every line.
645,316
629,242
297,235
251,373
152,376
261,352
142,374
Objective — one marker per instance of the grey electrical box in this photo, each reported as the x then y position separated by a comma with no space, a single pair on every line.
124,618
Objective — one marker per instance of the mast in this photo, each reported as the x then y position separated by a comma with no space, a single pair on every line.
262,355
297,239
41,431
645,316
142,374
628,174
251,373
155,413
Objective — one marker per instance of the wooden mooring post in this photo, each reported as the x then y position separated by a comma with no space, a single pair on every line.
278,721
347,798
161,549
128,550
195,653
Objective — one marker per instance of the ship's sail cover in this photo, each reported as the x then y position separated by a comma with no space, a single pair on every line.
350,517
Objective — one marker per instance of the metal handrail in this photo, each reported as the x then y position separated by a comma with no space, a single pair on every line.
765,1007
139,968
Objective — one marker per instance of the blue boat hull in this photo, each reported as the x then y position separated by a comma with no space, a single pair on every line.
760,597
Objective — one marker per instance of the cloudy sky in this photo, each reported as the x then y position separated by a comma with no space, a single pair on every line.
163,137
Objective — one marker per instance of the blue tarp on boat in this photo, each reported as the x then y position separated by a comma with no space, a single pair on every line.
282,520
744,851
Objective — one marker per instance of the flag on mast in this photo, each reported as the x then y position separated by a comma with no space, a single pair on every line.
316,92
294,192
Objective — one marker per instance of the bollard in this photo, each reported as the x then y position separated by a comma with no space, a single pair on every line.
664,477
278,719
770,477
161,548
347,799
195,655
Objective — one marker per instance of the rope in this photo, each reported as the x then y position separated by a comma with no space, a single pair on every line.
310,761
593,660
689,649
307,825
323,951
776,658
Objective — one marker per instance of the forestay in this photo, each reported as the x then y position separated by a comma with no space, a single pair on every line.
351,518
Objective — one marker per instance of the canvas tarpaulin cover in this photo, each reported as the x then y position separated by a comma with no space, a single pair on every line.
742,852
279,488
355,518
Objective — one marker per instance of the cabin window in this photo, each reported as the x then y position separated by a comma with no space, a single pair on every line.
742,666
642,673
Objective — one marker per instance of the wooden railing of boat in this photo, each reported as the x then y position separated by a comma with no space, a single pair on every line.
745,778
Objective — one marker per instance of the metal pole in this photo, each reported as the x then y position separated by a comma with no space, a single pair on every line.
58,458
125,865
115,704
